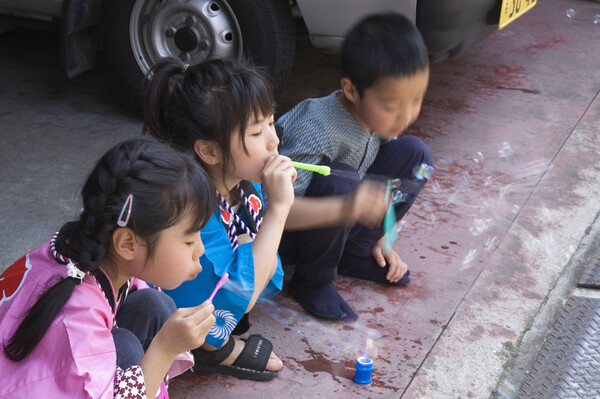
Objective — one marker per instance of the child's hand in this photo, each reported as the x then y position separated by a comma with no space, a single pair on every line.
186,329
397,267
277,176
366,205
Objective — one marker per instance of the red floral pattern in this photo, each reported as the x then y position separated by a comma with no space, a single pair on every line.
225,216
255,203
12,279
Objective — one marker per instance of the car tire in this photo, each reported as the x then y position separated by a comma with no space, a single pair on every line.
137,33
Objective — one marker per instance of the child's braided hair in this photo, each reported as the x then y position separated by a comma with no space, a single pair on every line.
166,185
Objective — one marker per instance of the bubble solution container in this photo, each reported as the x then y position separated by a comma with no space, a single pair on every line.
364,366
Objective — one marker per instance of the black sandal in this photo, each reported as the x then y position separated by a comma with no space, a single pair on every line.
249,365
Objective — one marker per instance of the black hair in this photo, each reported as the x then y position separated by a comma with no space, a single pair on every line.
208,101
381,46
166,185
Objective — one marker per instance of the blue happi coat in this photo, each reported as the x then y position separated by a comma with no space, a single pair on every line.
233,299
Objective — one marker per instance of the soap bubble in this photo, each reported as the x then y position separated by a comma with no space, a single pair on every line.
544,244
430,215
470,256
398,197
489,244
400,226
369,348
478,157
569,253
509,388
505,151
479,226
488,205
443,164
596,19
423,171
570,13
466,177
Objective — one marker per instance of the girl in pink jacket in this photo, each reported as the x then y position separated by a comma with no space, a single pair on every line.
77,318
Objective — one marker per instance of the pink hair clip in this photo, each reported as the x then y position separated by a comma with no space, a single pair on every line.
127,205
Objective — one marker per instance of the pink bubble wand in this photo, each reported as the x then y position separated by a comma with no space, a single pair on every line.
220,284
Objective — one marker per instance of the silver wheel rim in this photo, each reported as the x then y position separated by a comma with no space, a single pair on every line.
191,30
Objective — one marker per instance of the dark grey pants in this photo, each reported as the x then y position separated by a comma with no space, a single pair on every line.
317,253
140,317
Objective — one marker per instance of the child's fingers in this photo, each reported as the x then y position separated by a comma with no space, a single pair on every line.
279,166
278,162
201,320
203,309
393,261
186,328
286,159
392,274
196,312
369,203
397,270
287,168
379,258
277,177
376,188
292,171
205,324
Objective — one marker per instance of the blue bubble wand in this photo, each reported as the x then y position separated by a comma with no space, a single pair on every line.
389,221
399,191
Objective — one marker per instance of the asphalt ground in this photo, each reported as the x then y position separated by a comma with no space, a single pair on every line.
496,243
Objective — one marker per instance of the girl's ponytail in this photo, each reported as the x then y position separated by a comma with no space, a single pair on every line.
157,104
38,320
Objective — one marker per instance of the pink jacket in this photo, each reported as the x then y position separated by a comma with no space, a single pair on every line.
76,358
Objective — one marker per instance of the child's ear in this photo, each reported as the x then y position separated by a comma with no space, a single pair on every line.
349,90
125,243
208,151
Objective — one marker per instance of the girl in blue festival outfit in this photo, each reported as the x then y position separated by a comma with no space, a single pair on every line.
223,110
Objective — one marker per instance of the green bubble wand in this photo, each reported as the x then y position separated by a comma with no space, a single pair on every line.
322,169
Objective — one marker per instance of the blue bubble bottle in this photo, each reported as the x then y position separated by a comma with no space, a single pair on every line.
364,367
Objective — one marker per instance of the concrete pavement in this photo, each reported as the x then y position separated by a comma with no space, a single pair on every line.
495,243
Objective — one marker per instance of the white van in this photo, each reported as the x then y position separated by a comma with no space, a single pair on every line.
134,34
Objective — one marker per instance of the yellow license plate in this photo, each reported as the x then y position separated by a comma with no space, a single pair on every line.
513,9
